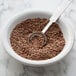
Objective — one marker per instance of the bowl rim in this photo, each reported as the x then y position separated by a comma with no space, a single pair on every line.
34,62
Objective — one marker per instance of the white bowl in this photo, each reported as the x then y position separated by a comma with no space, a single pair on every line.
63,24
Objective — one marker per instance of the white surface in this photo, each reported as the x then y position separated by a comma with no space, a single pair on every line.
11,67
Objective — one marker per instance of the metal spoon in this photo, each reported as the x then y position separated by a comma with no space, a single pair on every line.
52,19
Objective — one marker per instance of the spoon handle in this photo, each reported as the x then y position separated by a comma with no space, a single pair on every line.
57,14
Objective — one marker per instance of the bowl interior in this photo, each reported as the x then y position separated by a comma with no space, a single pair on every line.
21,17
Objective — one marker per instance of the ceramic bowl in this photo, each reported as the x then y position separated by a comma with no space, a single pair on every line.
63,24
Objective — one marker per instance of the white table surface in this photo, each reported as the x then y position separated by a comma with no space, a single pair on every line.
11,67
